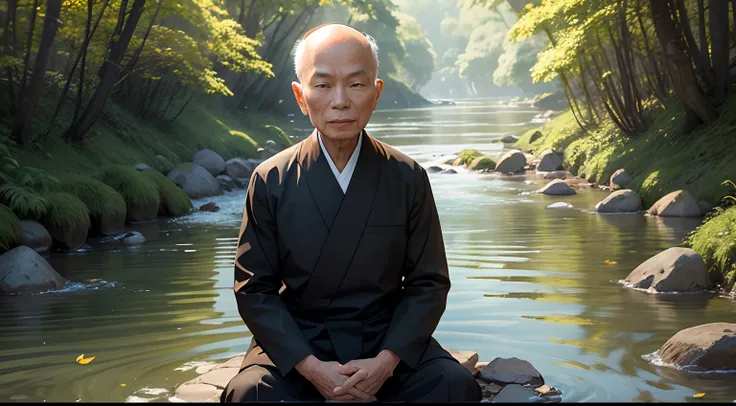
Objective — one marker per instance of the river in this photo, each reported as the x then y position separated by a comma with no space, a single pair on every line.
528,282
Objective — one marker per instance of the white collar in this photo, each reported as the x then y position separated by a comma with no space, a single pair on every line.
343,178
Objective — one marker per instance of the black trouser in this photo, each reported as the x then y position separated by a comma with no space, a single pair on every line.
436,380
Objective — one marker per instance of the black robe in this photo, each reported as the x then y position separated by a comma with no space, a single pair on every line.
340,276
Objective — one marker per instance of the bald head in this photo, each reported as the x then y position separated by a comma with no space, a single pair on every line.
328,36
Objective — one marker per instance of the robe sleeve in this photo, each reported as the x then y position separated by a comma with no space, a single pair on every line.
426,279
257,283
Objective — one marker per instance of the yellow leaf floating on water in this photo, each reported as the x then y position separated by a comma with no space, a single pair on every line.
123,385
84,361
699,395
609,262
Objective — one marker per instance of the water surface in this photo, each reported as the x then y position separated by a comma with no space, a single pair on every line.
528,282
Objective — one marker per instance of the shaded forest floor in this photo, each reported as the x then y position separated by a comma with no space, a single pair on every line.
121,138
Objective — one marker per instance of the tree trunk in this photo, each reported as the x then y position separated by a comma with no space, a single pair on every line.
718,19
138,51
110,71
83,67
9,49
21,131
683,76
29,43
699,56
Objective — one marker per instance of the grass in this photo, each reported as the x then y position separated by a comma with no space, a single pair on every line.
467,156
715,241
101,200
66,211
11,234
139,192
173,201
660,160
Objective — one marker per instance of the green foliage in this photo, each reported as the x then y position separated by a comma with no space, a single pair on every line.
282,136
23,201
162,164
137,189
101,200
66,211
481,163
11,234
715,241
174,202
467,156
418,64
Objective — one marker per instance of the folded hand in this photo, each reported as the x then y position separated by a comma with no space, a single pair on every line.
367,375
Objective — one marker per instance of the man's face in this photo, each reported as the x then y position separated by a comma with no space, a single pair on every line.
339,89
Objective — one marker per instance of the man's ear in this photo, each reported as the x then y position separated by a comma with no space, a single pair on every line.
299,96
379,87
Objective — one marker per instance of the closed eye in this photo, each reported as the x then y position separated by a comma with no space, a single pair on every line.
357,84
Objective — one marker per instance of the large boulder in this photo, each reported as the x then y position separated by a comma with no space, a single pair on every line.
619,179
621,201
676,269
557,188
512,162
536,136
226,182
481,163
549,161
196,181
22,270
506,371
676,204
553,174
36,236
708,347
509,139
240,168
211,161
269,149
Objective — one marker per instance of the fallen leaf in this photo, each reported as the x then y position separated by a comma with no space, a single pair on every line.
543,389
699,395
609,262
84,361
95,280
123,385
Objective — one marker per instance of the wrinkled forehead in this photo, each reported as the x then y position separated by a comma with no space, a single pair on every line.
339,56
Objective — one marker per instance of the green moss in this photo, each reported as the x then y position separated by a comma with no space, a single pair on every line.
467,156
715,241
138,191
174,202
66,211
11,234
185,167
25,202
481,163
163,165
101,200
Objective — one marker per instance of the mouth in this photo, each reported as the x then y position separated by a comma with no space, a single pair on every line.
341,122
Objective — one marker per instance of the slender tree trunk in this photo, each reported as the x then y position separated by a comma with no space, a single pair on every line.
21,131
718,19
138,51
695,103
182,109
29,43
110,71
699,56
83,67
9,50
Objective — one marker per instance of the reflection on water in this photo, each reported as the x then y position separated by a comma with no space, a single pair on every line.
528,282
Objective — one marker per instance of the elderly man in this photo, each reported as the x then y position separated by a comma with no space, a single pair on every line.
341,273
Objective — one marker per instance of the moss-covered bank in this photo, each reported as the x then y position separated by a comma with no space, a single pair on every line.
661,160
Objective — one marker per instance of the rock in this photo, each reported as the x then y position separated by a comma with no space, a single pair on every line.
36,236
621,201
676,204
196,392
211,161
133,237
143,168
218,377
577,182
196,183
22,270
549,161
619,179
557,188
449,170
468,359
482,162
241,183
560,205
269,149
512,162
509,139
457,161
516,394
676,269
511,370
211,207
240,168
536,136
708,347
450,161
226,183
705,207
489,389
434,169
552,174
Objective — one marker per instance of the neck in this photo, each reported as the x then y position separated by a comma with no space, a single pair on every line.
340,150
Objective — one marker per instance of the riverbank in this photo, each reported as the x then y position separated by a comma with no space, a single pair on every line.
660,161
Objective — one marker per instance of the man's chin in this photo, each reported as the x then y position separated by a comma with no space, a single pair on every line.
341,134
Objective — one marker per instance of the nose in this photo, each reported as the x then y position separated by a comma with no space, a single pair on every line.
340,100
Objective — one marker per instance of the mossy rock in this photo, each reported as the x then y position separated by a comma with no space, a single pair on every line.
106,206
481,163
139,192
67,220
162,164
466,156
715,241
23,201
11,235
174,202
